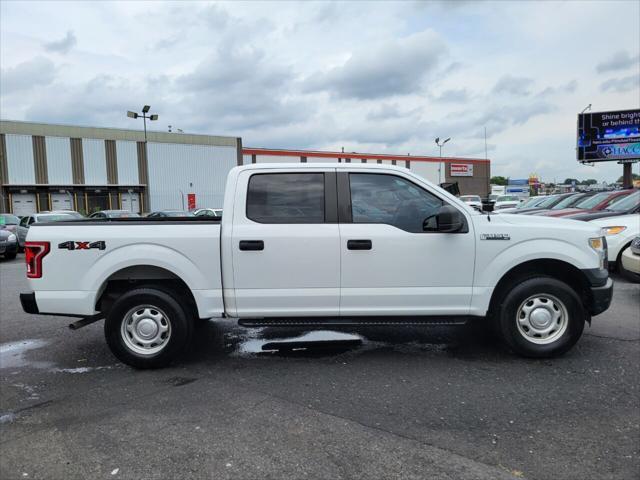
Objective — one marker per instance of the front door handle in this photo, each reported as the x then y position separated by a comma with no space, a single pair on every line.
251,245
359,244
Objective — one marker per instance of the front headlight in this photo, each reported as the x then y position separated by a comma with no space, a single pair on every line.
599,244
614,230
11,238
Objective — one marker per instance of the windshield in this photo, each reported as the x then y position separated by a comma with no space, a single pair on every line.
470,198
507,198
8,219
591,202
121,214
624,203
531,202
550,201
54,217
178,214
567,202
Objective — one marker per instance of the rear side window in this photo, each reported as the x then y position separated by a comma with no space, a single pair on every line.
286,198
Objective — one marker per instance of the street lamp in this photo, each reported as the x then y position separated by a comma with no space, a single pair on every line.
588,107
144,117
440,145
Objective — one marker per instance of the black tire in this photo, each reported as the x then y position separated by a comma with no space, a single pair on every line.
521,339
10,255
149,299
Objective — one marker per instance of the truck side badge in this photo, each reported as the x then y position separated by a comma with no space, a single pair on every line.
70,245
495,236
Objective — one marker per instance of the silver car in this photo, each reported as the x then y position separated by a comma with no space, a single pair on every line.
26,222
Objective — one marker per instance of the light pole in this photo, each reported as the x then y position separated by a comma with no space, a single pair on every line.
153,117
144,117
440,145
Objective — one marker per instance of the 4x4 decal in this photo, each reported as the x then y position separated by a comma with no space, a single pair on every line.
70,245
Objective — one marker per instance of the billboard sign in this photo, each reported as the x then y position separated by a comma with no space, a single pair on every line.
462,170
605,136
191,201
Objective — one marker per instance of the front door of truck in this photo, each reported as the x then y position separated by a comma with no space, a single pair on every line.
286,244
393,262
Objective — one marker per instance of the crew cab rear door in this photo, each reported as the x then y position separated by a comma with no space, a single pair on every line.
285,243
390,264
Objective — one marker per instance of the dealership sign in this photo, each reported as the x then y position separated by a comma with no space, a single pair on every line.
605,136
462,170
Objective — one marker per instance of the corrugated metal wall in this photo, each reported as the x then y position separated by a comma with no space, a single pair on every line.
95,161
427,170
59,160
20,159
127,157
176,170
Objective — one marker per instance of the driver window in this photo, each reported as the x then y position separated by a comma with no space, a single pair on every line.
23,221
380,198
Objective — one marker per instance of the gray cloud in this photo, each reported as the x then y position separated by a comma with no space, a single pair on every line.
620,85
620,60
64,45
513,85
395,68
459,95
568,87
38,71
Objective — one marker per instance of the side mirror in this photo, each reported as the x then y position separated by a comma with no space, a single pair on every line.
449,220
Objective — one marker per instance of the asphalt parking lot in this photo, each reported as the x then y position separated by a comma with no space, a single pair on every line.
383,403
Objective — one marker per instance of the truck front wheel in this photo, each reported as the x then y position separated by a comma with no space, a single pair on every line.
147,328
541,317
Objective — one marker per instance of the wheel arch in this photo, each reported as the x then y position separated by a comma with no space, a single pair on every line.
151,276
558,269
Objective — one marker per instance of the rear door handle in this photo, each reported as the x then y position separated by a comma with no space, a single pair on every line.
251,245
359,244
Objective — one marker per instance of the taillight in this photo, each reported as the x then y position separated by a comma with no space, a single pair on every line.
34,252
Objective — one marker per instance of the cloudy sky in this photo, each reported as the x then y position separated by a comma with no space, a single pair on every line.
373,77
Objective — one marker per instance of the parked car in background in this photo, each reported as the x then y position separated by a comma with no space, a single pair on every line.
170,213
9,222
208,212
529,203
630,261
8,243
73,213
624,205
619,232
547,204
473,201
565,203
590,203
506,201
114,214
26,222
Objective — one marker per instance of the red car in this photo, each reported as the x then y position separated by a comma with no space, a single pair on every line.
593,203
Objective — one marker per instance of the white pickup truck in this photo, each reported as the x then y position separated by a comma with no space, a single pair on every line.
321,245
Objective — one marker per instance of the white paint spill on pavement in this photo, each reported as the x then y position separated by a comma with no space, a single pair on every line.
7,418
13,354
80,369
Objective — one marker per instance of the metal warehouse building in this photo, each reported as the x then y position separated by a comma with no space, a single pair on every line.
58,167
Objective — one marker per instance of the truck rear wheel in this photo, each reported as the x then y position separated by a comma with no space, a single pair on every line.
541,317
147,328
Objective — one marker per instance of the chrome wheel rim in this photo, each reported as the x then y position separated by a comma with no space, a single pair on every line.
145,330
542,319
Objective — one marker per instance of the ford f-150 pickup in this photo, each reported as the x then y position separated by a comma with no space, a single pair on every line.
321,245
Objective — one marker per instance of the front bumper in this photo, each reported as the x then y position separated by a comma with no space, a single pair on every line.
601,297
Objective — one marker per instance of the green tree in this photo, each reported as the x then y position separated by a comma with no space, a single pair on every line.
634,176
569,181
498,180
589,181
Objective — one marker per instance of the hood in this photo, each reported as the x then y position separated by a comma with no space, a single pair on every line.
559,213
546,224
